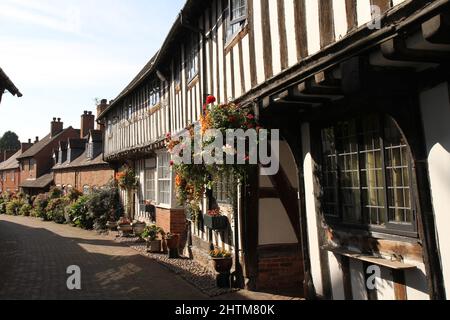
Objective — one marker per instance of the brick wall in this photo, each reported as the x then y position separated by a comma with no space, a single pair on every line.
173,221
280,268
78,178
10,184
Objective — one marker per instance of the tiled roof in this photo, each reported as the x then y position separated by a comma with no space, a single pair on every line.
40,183
38,146
11,163
81,161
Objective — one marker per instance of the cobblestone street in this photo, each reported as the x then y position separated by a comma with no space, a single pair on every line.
34,256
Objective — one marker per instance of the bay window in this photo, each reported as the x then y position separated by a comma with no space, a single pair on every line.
367,175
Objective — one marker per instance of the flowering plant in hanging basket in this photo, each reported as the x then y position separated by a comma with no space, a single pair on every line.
127,179
193,178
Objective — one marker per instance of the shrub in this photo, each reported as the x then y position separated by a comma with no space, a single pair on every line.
25,210
55,210
73,195
103,206
13,207
39,205
2,206
77,213
55,193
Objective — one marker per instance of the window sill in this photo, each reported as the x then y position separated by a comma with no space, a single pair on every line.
238,36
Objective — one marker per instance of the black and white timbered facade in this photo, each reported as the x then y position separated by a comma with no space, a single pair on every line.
360,92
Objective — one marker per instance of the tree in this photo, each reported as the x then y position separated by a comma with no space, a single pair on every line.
9,141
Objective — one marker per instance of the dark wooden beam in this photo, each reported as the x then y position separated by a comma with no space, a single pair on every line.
296,94
311,87
289,199
397,50
437,29
250,230
268,193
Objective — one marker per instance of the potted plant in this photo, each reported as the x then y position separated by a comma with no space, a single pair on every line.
124,226
138,227
214,220
223,262
150,235
173,243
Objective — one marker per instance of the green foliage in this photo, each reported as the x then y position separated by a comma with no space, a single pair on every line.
103,206
13,207
55,210
151,233
77,213
25,210
39,206
55,193
9,141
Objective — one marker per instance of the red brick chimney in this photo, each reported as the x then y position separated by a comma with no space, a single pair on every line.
56,127
87,123
100,108
26,145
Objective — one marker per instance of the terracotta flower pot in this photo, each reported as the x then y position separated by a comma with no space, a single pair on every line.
222,265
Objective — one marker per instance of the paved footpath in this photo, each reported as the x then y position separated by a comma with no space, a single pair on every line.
35,255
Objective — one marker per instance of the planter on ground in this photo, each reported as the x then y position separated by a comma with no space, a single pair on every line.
154,246
138,228
173,243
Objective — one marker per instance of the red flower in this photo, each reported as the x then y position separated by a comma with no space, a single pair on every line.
231,119
250,117
172,163
210,99
205,106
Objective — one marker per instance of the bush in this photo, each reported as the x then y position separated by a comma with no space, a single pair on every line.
25,210
55,210
77,213
103,206
39,205
2,205
73,195
55,193
13,207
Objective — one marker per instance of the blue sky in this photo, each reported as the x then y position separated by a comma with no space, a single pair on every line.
62,55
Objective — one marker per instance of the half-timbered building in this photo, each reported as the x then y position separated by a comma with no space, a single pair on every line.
359,90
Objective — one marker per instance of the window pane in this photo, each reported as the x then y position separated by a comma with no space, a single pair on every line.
347,149
329,183
238,9
398,175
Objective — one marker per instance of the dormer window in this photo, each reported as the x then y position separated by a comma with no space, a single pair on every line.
90,151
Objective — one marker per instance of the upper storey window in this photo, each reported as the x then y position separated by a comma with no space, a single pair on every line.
237,16
192,58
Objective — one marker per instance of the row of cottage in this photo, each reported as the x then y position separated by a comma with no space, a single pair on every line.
66,158
359,90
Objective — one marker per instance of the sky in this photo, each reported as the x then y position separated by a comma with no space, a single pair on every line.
63,55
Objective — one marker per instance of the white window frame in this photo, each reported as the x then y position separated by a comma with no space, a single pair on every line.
160,156
150,170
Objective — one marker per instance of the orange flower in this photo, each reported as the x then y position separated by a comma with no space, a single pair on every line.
205,121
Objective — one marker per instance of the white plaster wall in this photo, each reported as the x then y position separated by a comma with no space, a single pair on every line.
435,107
274,224
311,217
313,26
337,277
358,279
416,284
385,285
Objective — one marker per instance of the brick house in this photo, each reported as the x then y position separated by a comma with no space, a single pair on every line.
7,84
79,161
36,163
10,171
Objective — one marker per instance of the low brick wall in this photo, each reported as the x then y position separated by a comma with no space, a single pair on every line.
280,268
173,221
